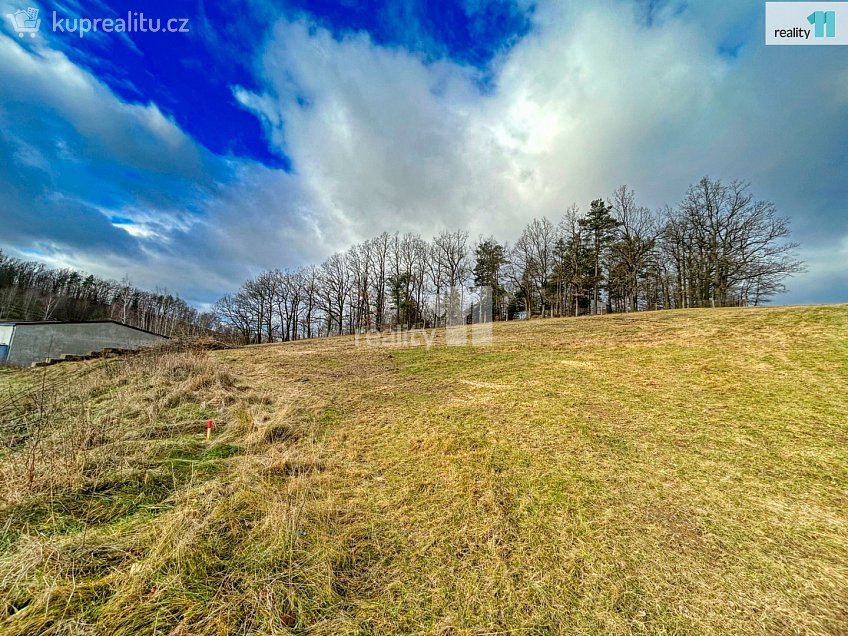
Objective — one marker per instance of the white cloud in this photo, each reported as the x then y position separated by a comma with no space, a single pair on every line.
386,141
136,135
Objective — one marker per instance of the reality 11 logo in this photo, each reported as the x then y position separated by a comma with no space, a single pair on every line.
825,22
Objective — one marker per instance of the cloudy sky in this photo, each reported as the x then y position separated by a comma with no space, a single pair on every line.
273,134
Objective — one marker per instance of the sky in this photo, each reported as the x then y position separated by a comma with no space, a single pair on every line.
272,134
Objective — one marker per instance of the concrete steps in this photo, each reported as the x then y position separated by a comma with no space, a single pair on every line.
109,352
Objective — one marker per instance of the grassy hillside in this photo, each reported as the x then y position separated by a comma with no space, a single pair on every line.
664,473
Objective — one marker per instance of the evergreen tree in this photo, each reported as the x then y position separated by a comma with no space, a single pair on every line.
600,227
490,256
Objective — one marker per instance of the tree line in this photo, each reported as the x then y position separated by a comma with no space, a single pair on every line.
33,291
718,247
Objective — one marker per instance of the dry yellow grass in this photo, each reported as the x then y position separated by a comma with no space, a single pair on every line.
664,473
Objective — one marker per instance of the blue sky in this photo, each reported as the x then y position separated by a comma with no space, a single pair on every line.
273,134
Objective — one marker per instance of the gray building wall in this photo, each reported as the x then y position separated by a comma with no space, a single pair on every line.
37,342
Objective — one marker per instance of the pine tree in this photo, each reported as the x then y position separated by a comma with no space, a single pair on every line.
600,227
490,256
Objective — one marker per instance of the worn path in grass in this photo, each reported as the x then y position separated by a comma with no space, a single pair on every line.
671,472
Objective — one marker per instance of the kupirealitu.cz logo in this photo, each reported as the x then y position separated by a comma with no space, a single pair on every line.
807,23
27,22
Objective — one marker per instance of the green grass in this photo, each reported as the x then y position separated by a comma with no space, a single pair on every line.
661,473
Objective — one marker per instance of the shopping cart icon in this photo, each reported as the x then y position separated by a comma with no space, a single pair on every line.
25,21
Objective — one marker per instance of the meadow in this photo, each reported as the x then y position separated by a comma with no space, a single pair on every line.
680,472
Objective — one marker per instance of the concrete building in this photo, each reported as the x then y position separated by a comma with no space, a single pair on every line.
22,343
